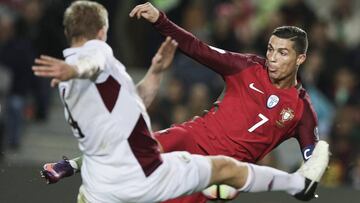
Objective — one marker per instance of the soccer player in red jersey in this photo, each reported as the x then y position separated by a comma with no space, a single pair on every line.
263,104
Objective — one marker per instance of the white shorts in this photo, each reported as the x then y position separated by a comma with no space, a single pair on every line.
180,174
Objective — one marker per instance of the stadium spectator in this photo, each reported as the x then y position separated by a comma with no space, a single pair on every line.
345,86
4,88
344,135
16,54
174,96
345,22
188,71
29,27
297,12
355,174
323,106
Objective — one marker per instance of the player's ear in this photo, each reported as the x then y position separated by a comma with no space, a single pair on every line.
300,59
102,34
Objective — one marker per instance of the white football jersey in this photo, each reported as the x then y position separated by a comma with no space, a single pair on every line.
109,120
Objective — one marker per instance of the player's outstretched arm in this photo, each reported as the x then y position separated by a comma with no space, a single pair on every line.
149,85
221,61
58,70
54,172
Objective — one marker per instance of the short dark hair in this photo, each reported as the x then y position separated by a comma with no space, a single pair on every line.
295,34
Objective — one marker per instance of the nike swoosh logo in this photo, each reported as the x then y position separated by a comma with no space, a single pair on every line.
254,88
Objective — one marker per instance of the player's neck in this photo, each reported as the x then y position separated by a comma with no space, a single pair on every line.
285,83
78,42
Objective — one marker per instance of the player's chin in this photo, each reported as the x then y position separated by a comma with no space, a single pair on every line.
273,75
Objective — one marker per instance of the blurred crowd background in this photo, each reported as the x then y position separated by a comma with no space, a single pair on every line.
29,28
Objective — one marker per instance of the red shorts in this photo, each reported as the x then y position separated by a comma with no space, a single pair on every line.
196,139
178,138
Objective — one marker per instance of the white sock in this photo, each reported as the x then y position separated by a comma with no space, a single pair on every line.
74,165
263,178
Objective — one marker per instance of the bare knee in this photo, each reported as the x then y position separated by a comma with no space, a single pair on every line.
227,170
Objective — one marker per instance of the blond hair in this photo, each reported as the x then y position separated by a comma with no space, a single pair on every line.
84,19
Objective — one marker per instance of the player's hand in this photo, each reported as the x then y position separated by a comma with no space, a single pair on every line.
164,56
147,11
50,67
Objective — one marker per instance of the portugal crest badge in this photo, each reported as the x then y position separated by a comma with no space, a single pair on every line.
287,114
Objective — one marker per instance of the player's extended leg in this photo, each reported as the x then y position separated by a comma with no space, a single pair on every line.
172,139
253,178
179,139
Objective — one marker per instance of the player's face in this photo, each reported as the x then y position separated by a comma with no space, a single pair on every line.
282,59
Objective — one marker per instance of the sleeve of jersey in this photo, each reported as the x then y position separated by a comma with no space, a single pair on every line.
307,131
92,61
221,61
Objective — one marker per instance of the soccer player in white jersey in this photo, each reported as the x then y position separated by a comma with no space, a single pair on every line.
121,161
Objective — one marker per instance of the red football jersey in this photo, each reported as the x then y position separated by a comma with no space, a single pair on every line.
254,116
